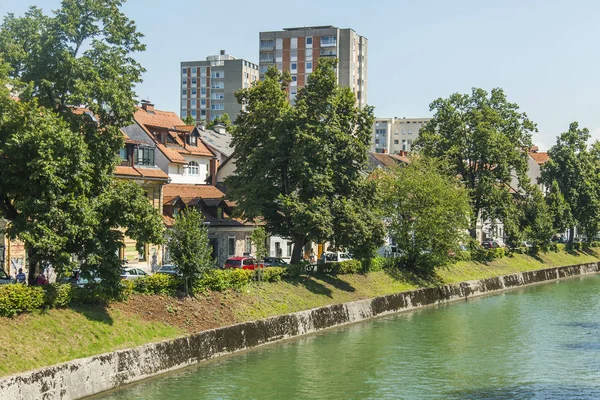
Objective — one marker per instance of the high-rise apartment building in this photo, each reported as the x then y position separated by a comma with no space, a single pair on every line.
393,135
298,50
208,87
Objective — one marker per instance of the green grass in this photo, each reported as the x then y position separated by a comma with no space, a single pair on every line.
44,338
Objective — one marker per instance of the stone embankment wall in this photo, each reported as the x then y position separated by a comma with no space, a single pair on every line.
89,376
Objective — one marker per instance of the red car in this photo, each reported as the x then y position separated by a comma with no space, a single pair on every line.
241,262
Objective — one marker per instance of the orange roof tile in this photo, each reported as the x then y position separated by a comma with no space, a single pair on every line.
163,119
540,157
126,171
190,192
172,154
136,172
169,221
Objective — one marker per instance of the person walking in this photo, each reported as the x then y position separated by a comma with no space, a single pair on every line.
21,277
41,279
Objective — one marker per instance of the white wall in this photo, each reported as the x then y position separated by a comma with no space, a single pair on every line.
178,173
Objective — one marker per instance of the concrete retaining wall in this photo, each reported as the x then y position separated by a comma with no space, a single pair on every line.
88,376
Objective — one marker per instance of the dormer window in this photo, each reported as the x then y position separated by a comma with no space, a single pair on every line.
193,140
144,156
219,212
123,153
193,168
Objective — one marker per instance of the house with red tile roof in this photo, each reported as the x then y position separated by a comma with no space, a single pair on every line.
173,146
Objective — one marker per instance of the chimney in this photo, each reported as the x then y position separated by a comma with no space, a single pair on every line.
214,164
222,52
385,151
147,106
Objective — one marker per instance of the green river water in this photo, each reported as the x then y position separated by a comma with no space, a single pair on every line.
541,342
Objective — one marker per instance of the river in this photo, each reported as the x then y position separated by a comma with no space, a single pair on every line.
540,342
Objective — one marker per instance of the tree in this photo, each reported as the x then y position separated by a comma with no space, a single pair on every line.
223,120
57,158
559,209
538,221
427,212
483,139
573,169
189,120
189,248
299,166
259,240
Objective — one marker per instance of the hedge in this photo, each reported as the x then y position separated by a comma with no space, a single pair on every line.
223,279
157,284
342,267
18,298
272,274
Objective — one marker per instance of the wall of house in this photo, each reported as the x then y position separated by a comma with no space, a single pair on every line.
135,132
178,173
226,170
222,235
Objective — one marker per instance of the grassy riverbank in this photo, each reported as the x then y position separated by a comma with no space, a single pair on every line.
45,338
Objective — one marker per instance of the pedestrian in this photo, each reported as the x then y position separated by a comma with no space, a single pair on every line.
21,278
313,257
41,279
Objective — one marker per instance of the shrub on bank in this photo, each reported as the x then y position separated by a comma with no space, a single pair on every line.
375,264
223,279
157,284
58,295
18,298
272,274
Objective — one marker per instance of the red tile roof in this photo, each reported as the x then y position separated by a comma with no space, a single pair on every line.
539,157
190,193
137,172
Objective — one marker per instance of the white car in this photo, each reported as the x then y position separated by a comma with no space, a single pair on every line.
132,273
330,256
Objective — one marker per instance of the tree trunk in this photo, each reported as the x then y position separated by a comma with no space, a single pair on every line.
185,286
571,235
33,266
299,242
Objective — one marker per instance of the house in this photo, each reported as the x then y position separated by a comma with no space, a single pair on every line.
228,236
151,179
174,147
385,160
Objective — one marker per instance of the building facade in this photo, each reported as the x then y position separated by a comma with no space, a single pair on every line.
208,87
298,50
395,135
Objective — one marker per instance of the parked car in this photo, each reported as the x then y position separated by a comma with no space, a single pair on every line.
168,269
132,273
241,262
329,257
490,244
5,278
274,262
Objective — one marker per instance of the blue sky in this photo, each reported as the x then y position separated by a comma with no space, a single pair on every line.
543,53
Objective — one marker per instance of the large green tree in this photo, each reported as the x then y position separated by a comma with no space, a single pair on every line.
483,137
66,88
299,166
189,248
427,213
574,170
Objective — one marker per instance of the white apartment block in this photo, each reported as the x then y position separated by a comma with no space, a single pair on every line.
394,135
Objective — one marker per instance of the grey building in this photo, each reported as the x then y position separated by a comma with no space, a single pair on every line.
298,50
208,87
395,135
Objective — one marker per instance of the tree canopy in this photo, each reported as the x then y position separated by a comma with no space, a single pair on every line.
300,166
66,89
483,138
427,212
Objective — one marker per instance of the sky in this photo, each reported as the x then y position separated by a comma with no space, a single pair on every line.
544,54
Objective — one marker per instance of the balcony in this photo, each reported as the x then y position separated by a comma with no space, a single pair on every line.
267,45
328,53
328,41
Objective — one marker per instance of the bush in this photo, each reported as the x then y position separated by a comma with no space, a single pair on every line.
294,270
93,294
18,298
58,295
496,253
223,279
157,284
373,264
342,267
273,274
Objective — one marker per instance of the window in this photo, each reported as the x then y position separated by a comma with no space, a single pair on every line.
184,71
217,74
278,250
194,91
293,43
231,246
194,81
183,113
203,82
219,212
248,245
123,153
193,168
217,85
202,71
183,92
289,249
308,54
142,256
395,141
202,103
293,55
217,106
267,44
294,81
217,96
294,66
264,68
309,41
376,141
193,140
145,156
328,41
203,92
184,82
308,66
194,71
203,113
193,113
279,43
193,103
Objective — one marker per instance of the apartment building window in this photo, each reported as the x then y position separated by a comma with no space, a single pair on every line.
217,106
264,68
267,57
309,66
279,67
183,113
184,71
193,113
194,82
203,113
294,43
279,43
202,103
217,74
202,71
231,246
309,41
294,67
267,44
376,141
203,92
217,85
193,140
203,82
278,55
194,91
144,156
184,81
183,92
328,41
218,96
194,70
294,81
308,54
193,103
293,55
